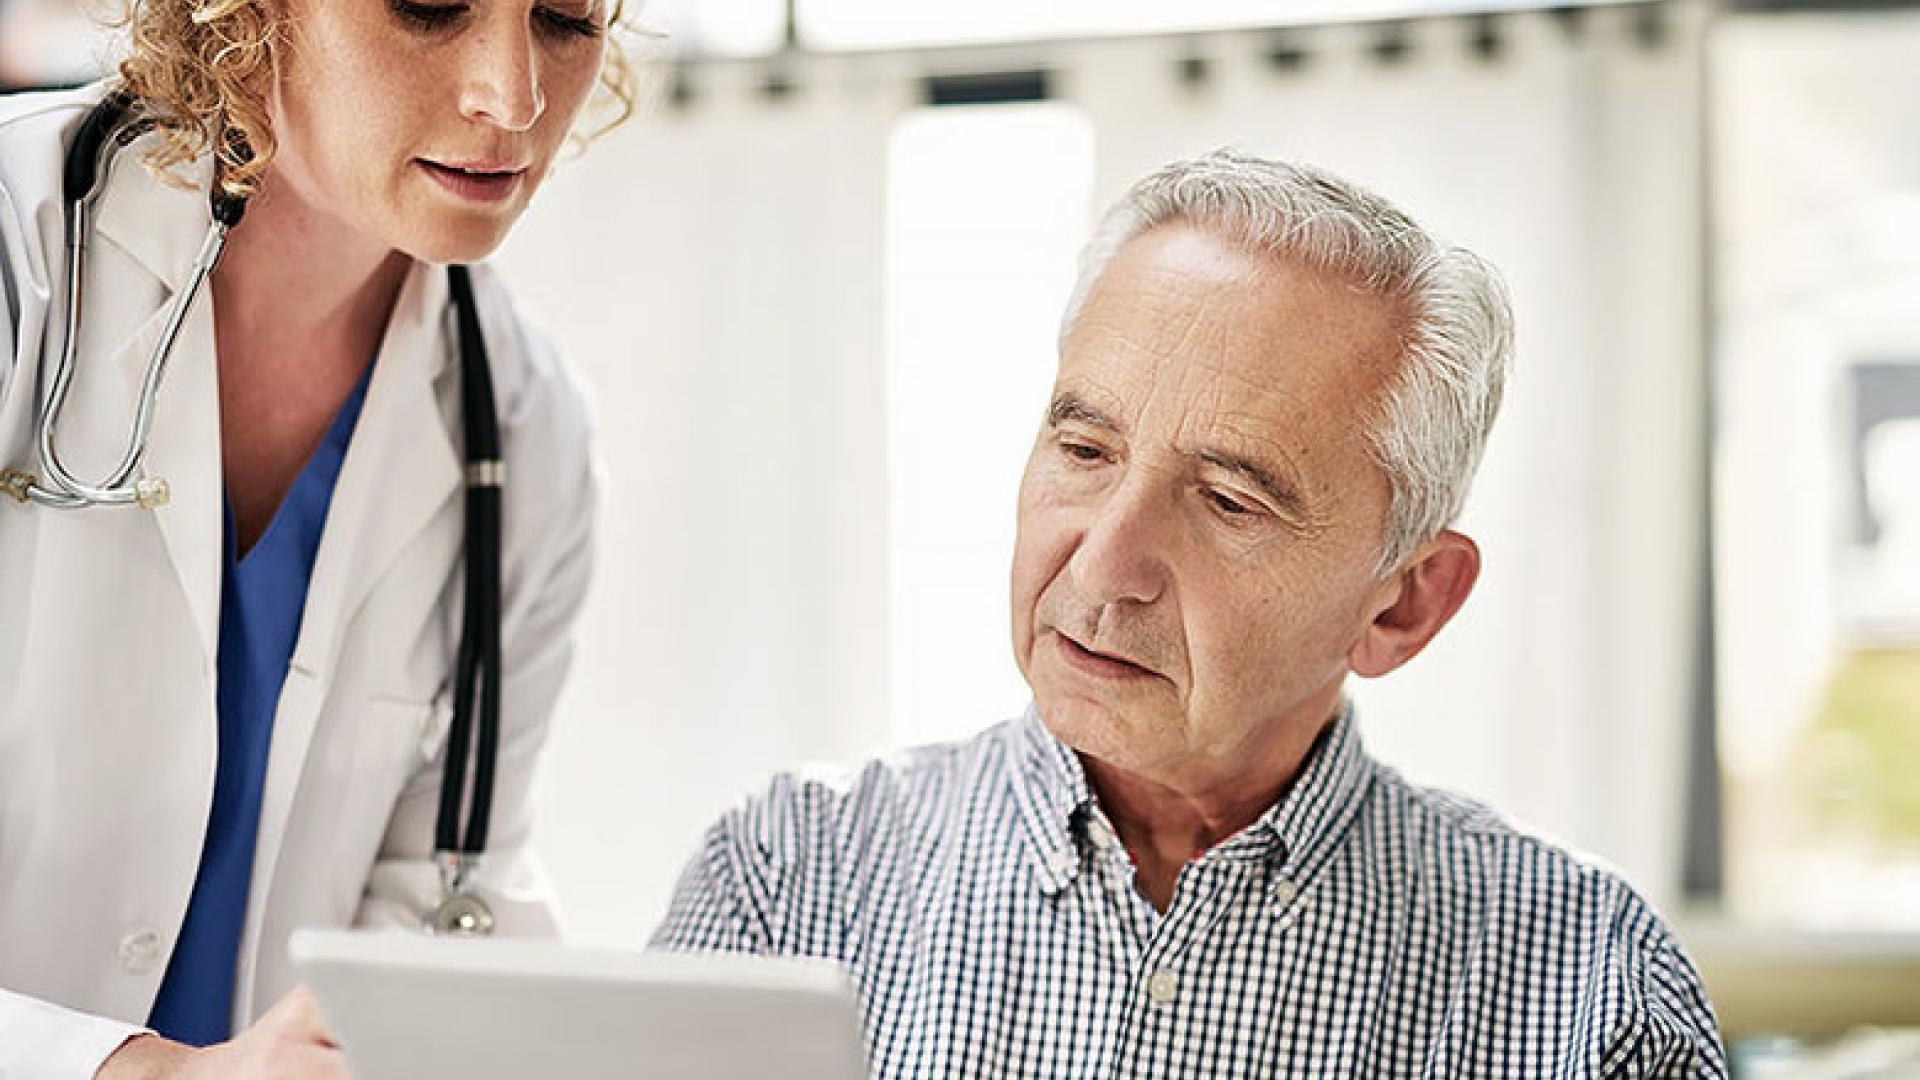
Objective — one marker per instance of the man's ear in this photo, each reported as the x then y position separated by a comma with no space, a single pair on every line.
1415,603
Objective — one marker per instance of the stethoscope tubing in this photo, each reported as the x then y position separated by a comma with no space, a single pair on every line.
477,667
477,664
83,180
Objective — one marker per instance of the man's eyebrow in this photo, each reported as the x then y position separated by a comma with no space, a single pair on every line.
1067,406
1285,495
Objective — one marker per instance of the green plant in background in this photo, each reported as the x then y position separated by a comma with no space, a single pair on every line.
1861,755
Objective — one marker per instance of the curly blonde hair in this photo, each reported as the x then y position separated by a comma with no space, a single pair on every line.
204,71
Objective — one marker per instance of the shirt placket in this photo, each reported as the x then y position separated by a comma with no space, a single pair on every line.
1158,1033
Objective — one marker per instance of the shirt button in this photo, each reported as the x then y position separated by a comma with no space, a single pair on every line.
1284,891
1163,987
139,951
1060,862
1098,834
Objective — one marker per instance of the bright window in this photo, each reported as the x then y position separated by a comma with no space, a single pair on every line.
713,27
1818,471
858,24
987,207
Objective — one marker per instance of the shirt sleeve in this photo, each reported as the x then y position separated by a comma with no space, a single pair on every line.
42,1041
708,911
767,878
1677,1037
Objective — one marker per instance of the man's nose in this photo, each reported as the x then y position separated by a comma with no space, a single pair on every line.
502,83
1122,556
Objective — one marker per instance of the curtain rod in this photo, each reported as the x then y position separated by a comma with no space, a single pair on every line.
794,48
1008,72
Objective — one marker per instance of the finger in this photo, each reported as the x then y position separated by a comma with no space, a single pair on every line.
297,1018
312,1063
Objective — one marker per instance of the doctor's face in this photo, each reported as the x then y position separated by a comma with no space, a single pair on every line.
1200,517
426,126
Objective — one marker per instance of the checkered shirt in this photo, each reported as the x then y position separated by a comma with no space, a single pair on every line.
1361,928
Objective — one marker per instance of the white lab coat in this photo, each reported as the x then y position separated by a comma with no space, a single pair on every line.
109,619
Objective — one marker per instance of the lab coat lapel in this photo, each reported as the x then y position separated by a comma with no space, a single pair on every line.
400,468
185,450
157,230
399,472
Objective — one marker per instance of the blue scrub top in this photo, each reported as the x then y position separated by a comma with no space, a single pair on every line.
261,598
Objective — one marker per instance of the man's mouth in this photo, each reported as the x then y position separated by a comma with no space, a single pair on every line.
1099,664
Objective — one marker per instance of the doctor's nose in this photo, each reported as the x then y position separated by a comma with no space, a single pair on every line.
501,85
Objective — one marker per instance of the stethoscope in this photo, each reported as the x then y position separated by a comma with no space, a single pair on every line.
457,852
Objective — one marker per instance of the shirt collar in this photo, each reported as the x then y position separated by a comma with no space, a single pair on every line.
1050,788
1311,818
1300,831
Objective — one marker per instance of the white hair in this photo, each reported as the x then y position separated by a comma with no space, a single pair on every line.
1431,426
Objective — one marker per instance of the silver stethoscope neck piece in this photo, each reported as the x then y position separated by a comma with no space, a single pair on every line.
58,487
70,492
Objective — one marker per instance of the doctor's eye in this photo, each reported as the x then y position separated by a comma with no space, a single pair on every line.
427,16
560,22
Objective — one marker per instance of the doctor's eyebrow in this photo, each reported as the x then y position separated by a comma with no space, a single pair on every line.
1068,406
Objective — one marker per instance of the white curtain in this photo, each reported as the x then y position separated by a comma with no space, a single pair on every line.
716,273
714,276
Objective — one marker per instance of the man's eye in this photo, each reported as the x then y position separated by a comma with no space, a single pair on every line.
1082,452
1227,504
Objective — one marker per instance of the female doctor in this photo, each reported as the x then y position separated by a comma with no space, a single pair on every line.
222,710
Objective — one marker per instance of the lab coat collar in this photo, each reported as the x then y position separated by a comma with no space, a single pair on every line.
159,227
160,224
400,468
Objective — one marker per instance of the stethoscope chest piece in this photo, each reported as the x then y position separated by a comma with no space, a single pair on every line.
461,913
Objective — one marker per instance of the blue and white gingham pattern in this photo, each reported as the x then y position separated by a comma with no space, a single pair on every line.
1361,928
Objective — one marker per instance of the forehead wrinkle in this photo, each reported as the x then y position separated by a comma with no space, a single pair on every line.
1262,393
1184,348
1196,328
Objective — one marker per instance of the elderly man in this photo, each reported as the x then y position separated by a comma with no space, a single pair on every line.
1273,391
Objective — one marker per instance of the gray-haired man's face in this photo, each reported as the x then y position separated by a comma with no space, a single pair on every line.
1200,515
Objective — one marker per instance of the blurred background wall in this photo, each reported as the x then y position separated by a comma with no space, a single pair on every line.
824,339
814,288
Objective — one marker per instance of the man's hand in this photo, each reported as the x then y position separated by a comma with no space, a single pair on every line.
290,1042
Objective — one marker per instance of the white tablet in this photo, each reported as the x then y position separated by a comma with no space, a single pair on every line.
406,1006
